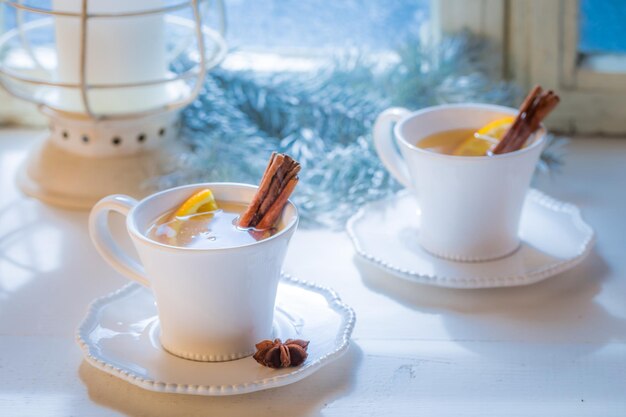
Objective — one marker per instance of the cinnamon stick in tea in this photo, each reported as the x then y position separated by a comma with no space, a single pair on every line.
536,107
277,184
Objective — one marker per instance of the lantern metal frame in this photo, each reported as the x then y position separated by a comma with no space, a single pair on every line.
199,71
96,162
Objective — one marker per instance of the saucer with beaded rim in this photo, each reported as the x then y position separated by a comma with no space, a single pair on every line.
554,238
120,335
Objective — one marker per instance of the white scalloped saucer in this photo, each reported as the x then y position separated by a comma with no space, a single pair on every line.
554,239
120,336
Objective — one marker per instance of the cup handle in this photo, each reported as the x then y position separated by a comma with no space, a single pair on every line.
103,240
386,149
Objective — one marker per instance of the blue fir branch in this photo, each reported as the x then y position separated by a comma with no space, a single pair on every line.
324,120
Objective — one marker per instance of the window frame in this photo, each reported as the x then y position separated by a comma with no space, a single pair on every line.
539,44
591,101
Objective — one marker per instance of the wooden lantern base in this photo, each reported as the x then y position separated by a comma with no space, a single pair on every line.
65,179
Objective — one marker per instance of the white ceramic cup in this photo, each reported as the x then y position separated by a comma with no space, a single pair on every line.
470,205
213,304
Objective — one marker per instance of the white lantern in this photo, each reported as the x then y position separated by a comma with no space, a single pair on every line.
112,76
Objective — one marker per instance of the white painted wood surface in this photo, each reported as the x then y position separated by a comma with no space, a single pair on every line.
557,348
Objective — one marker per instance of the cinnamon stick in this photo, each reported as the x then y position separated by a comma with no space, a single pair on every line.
546,104
277,184
536,107
272,167
524,109
273,213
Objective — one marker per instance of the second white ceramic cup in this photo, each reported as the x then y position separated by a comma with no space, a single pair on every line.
470,205
213,304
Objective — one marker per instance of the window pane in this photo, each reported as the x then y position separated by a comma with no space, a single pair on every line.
602,26
323,24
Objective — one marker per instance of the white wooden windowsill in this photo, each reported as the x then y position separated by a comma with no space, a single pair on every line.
554,348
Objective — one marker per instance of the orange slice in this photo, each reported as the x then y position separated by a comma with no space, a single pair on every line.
497,128
201,202
485,138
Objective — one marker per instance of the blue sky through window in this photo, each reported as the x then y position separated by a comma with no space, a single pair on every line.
295,24
602,26
288,24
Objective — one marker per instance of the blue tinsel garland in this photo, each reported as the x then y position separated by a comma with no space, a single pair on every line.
324,120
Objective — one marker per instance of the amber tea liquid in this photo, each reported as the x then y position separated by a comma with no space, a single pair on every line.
217,229
446,141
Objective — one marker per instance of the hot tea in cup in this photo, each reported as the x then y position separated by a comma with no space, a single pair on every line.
212,254
469,166
214,229
473,141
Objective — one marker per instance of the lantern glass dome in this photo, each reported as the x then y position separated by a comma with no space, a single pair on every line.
109,59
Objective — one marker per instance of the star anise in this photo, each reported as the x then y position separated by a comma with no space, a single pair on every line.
277,354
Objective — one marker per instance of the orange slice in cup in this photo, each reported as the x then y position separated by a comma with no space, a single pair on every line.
485,138
201,202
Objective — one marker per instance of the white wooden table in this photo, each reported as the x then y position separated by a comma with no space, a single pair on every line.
557,348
